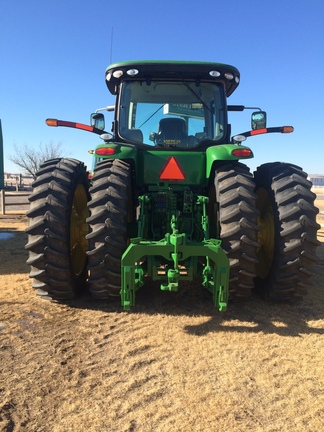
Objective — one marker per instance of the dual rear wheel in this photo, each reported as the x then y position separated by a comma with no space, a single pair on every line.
77,235
73,228
268,228
287,234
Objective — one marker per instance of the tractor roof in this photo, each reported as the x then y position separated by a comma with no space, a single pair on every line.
172,70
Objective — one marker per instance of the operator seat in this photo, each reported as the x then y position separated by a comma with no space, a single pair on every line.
172,133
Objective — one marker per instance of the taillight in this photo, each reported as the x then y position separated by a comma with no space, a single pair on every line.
242,152
105,151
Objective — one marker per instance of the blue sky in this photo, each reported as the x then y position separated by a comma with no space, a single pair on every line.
54,54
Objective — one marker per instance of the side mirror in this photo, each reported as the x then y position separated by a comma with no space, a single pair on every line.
258,120
152,136
97,120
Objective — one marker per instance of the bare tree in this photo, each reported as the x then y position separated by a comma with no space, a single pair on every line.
30,159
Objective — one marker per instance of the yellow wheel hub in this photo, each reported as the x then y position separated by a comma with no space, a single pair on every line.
78,230
266,235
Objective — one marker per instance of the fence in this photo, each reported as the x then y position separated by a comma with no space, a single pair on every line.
13,202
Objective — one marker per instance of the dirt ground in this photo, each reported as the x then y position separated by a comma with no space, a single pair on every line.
173,363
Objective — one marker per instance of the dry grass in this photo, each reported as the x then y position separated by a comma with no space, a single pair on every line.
172,364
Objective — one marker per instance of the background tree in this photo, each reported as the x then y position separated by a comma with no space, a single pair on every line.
30,159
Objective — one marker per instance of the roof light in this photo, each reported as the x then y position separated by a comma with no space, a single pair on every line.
132,72
228,75
105,151
117,73
242,152
214,73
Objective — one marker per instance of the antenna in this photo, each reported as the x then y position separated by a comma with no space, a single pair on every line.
111,43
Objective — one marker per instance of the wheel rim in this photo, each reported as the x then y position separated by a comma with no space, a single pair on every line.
78,230
266,234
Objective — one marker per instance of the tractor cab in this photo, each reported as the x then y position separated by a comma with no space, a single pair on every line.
170,105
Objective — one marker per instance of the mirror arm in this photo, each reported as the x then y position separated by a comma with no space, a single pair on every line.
87,128
107,108
241,108
280,129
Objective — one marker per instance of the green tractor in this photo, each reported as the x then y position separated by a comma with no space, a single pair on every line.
169,199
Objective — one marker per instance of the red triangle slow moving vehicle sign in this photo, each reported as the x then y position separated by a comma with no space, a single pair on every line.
172,170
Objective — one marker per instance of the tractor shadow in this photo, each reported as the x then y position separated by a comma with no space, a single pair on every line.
253,315
258,316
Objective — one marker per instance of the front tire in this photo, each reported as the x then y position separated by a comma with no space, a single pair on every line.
57,229
287,231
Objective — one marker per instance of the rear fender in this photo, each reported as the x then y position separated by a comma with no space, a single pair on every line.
224,152
117,151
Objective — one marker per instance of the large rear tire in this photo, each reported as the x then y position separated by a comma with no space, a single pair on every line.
57,229
111,209
287,231
232,204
